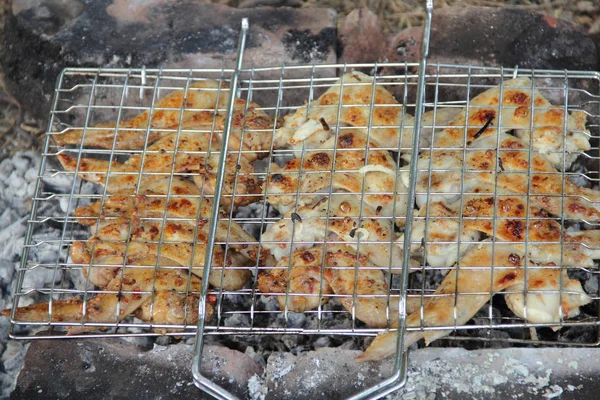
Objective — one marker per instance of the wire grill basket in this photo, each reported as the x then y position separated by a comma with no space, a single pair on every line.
317,213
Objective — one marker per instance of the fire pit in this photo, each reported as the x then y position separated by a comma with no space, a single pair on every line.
244,318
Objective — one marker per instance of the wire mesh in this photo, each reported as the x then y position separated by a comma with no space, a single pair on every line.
283,214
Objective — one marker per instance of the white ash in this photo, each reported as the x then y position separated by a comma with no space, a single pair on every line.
281,367
17,183
18,176
257,390
442,374
483,373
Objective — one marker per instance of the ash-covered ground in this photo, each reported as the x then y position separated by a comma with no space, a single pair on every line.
17,182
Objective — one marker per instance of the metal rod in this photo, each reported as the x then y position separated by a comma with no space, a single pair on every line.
398,378
200,381
412,187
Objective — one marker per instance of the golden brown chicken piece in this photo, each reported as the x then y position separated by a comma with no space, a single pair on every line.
207,96
363,103
312,278
505,217
362,292
171,308
337,219
227,272
441,172
547,295
297,284
185,203
205,108
354,171
464,291
131,290
447,175
188,155
548,122
461,294
537,177
283,137
123,295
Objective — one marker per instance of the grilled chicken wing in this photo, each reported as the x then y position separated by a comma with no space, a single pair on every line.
536,177
185,203
297,283
503,217
362,292
172,308
461,294
205,107
123,295
283,137
311,277
336,219
546,296
354,171
464,291
363,103
446,176
547,122
435,235
110,243
191,154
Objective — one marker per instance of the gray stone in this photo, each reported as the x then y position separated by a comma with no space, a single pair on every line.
41,37
105,368
483,36
499,37
451,373
327,373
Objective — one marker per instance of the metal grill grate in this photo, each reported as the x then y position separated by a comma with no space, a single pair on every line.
320,195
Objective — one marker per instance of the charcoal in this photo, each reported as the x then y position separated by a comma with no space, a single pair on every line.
579,334
236,320
322,342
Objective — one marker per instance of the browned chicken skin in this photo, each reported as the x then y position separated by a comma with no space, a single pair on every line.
353,171
312,277
123,295
187,155
185,205
363,102
205,106
340,218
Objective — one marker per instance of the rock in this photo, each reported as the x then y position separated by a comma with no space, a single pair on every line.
482,36
405,46
499,37
326,373
361,37
454,373
228,368
41,37
101,368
